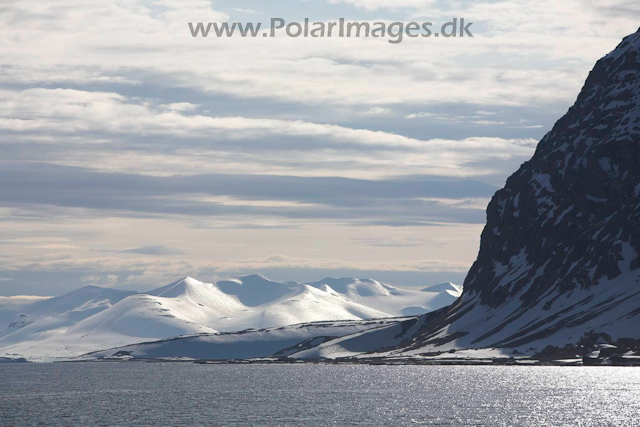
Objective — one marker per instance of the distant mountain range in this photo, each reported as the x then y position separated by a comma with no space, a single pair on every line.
93,318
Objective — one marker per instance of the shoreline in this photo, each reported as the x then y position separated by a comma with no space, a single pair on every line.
578,362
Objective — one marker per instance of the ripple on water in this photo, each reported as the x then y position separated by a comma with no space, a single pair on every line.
150,394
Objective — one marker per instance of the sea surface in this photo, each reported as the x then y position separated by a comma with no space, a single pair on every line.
172,394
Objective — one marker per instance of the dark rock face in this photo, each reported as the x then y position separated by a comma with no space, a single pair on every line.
559,254
574,204
24,321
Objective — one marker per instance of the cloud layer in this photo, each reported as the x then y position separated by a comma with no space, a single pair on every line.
132,153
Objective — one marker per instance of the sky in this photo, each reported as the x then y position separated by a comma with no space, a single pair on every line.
132,154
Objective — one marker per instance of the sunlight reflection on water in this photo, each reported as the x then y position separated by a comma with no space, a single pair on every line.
317,395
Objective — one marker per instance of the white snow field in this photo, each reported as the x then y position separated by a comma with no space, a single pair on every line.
390,299
283,341
92,318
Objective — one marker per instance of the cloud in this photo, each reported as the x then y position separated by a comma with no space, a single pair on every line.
378,111
150,272
233,149
487,123
68,111
13,302
152,41
245,11
423,115
113,132
477,119
235,195
180,106
392,243
281,261
384,4
107,281
153,250
105,266
529,127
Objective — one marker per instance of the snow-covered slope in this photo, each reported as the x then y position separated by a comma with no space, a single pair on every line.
92,318
448,287
361,343
309,304
273,342
390,299
53,316
12,312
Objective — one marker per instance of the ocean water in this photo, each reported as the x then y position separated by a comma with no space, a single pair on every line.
172,394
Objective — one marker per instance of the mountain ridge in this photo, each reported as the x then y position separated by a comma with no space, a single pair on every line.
92,318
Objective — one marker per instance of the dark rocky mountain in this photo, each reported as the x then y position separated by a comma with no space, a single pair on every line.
559,256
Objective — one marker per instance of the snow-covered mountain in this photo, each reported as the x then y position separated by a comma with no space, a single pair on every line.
559,261
49,317
93,318
390,299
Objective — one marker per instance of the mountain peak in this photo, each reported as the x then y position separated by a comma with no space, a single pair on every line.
182,287
256,277
629,43
354,287
90,288
440,287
